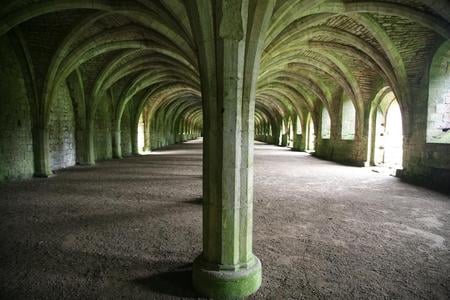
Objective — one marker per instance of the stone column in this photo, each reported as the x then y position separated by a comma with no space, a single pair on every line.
275,134
88,146
85,141
116,140
41,152
134,137
284,140
146,133
267,138
229,38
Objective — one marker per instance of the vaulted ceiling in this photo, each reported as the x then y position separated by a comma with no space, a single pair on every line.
144,52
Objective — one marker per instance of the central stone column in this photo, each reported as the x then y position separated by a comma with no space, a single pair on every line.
116,143
87,143
41,152
229,40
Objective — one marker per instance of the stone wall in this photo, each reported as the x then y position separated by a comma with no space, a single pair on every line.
424,163
16,148
346,149
342,151
438,121
62,130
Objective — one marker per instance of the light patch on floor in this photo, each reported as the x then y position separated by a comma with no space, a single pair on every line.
431,221
434,240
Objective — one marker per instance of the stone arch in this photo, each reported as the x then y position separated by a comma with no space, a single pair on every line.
386,130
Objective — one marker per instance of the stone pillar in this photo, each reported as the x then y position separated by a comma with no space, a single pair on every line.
267,138
298,143
146,134
228,59
134,138
117,147
41,152
284,140
88,157
275,134
85,142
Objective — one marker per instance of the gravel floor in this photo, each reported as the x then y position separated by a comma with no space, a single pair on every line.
129,229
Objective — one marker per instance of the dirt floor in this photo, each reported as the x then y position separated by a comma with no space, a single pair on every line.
129,229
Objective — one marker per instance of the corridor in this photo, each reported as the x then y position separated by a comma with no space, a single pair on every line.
131,228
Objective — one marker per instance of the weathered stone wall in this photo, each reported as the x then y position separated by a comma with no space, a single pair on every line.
323,148
336,147
342,151
62,130
16,149
438,125
103,130
424,163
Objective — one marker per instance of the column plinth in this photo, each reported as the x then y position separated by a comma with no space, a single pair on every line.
214,281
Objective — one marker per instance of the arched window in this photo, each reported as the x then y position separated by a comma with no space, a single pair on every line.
348,120
438,119
326,124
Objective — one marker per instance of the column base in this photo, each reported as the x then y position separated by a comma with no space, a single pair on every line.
43,175
86,163
226,284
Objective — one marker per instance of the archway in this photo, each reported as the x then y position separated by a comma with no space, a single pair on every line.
387,146
393,149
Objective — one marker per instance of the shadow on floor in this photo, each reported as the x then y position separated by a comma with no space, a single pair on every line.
198,201
176,282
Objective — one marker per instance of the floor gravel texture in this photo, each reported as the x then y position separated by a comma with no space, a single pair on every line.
129,229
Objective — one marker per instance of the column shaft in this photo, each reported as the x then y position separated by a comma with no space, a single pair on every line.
88,157
116,143
228,60
41,152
